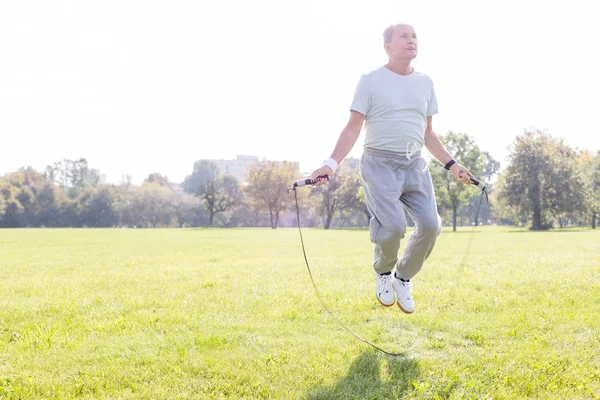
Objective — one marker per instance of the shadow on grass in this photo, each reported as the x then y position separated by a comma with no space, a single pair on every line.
372,376
554,230
520,230
464,230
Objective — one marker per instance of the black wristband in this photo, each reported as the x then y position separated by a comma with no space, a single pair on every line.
447,166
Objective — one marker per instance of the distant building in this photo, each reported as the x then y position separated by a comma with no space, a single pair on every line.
177,187
238,167
101,176
241,166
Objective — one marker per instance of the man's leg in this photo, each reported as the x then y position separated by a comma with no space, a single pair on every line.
382,184
420,203
419,200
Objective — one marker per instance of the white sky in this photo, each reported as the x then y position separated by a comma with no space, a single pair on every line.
145,86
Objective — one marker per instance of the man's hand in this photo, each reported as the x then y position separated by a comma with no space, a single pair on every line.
324,170
461,173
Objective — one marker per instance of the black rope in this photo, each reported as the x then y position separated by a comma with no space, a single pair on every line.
339,321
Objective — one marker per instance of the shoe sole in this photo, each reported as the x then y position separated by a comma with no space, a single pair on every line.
403,310
383,304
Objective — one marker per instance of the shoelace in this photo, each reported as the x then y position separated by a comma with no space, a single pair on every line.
386,281
408,286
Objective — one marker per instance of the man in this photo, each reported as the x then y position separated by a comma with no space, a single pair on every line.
396,103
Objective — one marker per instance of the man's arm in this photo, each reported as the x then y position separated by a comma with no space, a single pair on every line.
437,149
344,144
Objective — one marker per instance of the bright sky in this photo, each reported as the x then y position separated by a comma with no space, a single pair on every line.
144,86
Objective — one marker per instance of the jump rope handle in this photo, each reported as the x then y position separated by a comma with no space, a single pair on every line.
475,182
481,186
306,182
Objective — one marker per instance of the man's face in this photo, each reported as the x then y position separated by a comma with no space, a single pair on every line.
403,44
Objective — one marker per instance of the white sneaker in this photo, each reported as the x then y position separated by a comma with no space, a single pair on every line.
403,292
385,292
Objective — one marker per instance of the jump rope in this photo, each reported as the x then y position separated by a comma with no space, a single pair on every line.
310,182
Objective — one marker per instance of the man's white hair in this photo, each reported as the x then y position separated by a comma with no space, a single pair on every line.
389,31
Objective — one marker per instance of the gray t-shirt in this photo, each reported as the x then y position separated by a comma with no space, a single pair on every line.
396,109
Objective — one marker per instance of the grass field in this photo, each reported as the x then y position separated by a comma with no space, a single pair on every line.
211,313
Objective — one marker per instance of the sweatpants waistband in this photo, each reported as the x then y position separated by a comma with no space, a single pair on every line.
391,154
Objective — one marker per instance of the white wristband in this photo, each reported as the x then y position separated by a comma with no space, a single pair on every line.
331,163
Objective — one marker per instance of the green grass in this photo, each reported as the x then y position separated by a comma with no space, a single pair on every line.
226,314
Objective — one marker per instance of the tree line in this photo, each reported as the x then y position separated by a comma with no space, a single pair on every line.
545,184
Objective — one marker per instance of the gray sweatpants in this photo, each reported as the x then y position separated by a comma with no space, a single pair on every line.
392,183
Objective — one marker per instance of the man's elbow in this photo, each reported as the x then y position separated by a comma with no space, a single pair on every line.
429,136
429,132
352,131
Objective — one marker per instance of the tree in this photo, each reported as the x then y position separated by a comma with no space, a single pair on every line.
502,212
148,205
595,190
450,193
341,192
267,187
73,176
98,207
245,215
330,196
589,165
70,212
476,209
13,214
156,203
2,206
491,167
542,180
21,208
352,209
186,208
218,192
125,205
8,204
47,206
158,178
